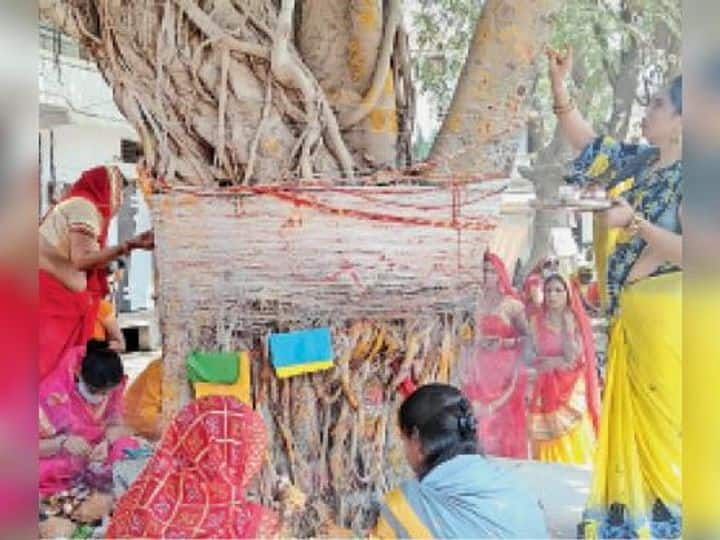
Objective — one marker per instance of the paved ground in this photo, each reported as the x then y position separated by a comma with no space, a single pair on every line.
136,362
562,490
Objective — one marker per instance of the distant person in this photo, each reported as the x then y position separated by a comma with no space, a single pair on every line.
495,379
457,492
564,407
533,285
588,291
116,275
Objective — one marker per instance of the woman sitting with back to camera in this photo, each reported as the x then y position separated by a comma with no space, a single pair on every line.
457,492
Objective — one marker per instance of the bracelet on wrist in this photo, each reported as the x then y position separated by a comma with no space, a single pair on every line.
564,108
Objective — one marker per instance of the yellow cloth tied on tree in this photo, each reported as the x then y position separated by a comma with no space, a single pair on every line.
240,389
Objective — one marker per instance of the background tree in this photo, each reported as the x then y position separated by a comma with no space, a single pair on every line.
624,50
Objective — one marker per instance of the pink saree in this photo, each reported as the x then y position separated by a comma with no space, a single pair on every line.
63,411
496,381
552,402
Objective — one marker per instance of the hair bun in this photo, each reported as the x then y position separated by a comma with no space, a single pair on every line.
467,425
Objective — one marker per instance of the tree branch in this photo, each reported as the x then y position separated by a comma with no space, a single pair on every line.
290,71
213,31
405,99
382,67
609,69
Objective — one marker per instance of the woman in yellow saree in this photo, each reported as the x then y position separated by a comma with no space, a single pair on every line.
636,486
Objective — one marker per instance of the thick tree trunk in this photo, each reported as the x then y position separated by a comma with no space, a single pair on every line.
222,93
480,132
350,45
218,91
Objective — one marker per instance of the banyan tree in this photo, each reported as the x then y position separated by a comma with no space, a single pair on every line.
276,142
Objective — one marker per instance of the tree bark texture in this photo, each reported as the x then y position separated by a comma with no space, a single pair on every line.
479,134
248,93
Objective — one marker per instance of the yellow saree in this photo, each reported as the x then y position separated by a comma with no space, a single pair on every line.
636,486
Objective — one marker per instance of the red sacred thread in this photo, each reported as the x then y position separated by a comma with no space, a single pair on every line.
289,194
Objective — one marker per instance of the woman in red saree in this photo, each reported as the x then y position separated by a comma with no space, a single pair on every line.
495,379
72,258
565,403
194,485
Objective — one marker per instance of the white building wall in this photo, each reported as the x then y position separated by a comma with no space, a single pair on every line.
77,147
77,89
80,128
141,264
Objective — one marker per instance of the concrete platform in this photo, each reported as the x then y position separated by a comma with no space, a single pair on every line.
135,362
561,489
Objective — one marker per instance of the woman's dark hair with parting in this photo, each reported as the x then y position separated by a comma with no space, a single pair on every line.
101,368
561,280
442,418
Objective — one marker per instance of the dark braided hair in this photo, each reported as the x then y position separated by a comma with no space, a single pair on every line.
444,422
